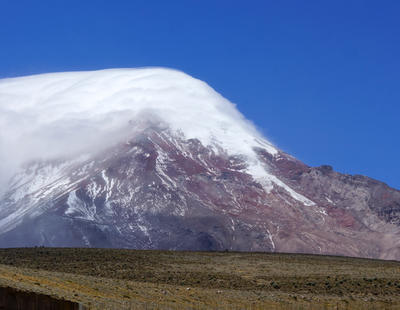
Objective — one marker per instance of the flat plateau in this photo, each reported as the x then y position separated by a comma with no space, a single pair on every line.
132,279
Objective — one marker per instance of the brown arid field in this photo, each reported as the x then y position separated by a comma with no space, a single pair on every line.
131,279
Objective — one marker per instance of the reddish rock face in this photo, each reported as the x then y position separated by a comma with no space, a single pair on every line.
162,191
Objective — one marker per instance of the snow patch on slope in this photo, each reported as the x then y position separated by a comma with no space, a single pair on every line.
78,208
268,180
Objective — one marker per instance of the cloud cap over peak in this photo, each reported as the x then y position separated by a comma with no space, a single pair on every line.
49,115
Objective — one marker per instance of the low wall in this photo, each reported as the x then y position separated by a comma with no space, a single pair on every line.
12,299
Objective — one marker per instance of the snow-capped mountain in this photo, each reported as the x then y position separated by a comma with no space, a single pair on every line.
154,159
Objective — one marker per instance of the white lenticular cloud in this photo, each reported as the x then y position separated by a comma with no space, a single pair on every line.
58,114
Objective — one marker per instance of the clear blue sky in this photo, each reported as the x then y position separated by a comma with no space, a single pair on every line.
320,78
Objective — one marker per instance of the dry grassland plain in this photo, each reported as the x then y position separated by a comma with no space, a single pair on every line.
131,279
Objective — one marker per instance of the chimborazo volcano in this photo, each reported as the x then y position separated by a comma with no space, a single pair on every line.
155,159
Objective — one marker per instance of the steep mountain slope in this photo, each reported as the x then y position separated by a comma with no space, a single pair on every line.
185,182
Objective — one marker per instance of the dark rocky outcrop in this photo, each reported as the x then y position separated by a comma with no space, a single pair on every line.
13,299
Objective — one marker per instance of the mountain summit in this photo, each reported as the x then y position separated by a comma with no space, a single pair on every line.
155,159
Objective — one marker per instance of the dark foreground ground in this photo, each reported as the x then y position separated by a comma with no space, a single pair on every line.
123,279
